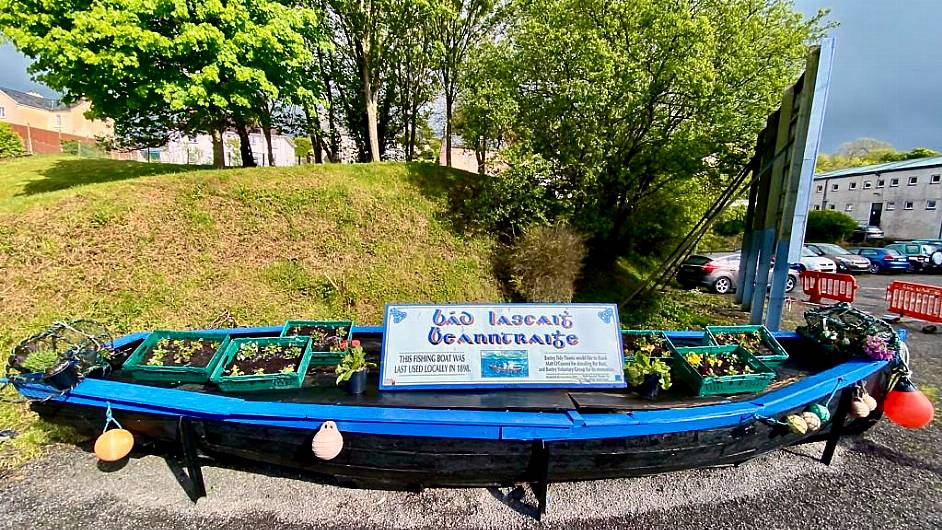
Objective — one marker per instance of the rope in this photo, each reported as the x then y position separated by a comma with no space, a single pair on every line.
109,419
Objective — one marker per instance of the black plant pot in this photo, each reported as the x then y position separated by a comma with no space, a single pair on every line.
63,375
650,387
357,382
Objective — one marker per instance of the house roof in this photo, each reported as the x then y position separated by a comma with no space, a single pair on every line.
31,100
917,163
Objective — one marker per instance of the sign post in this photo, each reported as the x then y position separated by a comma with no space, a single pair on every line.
473,346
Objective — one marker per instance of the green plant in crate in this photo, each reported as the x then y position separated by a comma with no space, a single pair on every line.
652,344
719,364
641,365
354,361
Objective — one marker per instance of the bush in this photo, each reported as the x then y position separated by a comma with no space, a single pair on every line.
546,262
731,222
70,147
10,143
829,226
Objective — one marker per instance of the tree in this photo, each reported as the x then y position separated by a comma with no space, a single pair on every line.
10,143
460,25
626,98
486,104
829,226
190,67
868,151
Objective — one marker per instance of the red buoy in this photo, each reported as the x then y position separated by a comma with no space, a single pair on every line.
907,407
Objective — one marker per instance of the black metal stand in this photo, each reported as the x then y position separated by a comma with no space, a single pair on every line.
837,425
190,458
539,467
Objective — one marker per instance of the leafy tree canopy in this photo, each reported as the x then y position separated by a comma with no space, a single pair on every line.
868,151
628,98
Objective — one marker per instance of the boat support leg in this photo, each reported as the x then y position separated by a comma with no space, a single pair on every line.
190,458
837,425
539,466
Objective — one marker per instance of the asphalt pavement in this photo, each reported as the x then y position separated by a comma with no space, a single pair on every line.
888,478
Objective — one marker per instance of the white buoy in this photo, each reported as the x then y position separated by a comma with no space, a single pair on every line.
328,442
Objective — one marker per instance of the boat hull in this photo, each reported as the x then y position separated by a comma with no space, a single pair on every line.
400,461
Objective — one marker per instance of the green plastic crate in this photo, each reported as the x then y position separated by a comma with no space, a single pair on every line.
322,358
773,360
722,384
669,359
135,366
250,382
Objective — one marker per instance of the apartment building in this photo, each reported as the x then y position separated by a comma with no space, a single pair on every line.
903,198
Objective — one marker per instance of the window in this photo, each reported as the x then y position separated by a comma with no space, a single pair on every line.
913,181
868,184
894,183
849,207
908,205
881,183
853,185
817,207
835,187
831,207
934,179
3,114
58,121
890,206
930,205
820,186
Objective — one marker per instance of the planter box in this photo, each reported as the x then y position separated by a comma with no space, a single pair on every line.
668,358
319,356
722,384
137,367
772,360
250,382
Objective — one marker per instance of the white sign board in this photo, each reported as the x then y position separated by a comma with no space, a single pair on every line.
501,346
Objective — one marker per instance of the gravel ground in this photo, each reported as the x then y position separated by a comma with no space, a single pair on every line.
889,478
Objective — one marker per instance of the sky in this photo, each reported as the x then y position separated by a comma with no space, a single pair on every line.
886,82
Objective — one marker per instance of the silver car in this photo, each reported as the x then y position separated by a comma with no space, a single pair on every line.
720,273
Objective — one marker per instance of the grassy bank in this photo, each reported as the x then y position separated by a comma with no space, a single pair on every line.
141,246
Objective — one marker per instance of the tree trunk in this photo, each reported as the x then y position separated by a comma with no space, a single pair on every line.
313,131
245,146
219,150
449,101
414,120
369,96
266,129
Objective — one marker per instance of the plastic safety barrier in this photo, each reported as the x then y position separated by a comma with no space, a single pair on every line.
830,285
916,300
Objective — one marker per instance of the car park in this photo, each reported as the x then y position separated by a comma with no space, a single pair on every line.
932,248
811,261
720,273
917,254
845,260
883,259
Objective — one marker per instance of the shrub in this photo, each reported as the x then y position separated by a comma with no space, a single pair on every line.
10,143
829,226
70,147
546,261
731,222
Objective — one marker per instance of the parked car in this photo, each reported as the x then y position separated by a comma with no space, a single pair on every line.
811,261
917,253
720,273
845,260
883,259
865,232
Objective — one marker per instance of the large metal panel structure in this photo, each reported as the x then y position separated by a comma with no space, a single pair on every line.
780,193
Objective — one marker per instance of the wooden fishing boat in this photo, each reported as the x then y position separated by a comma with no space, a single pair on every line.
413,440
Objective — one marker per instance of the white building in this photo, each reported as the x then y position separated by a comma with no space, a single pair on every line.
198,150
903,198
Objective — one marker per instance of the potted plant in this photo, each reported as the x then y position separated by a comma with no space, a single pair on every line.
651,343
177,356
353,367
268,363
646,375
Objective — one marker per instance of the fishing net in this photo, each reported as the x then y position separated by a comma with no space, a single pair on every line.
845,331
84,344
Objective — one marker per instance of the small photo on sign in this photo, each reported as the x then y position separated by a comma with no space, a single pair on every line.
504,363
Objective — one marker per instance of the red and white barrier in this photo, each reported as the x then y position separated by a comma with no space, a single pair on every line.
916,300
830,285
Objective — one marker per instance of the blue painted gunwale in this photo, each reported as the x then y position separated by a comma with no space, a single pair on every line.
470,424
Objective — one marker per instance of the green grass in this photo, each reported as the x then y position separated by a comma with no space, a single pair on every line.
140,246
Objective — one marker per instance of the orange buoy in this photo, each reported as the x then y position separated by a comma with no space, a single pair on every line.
328,442
114,445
